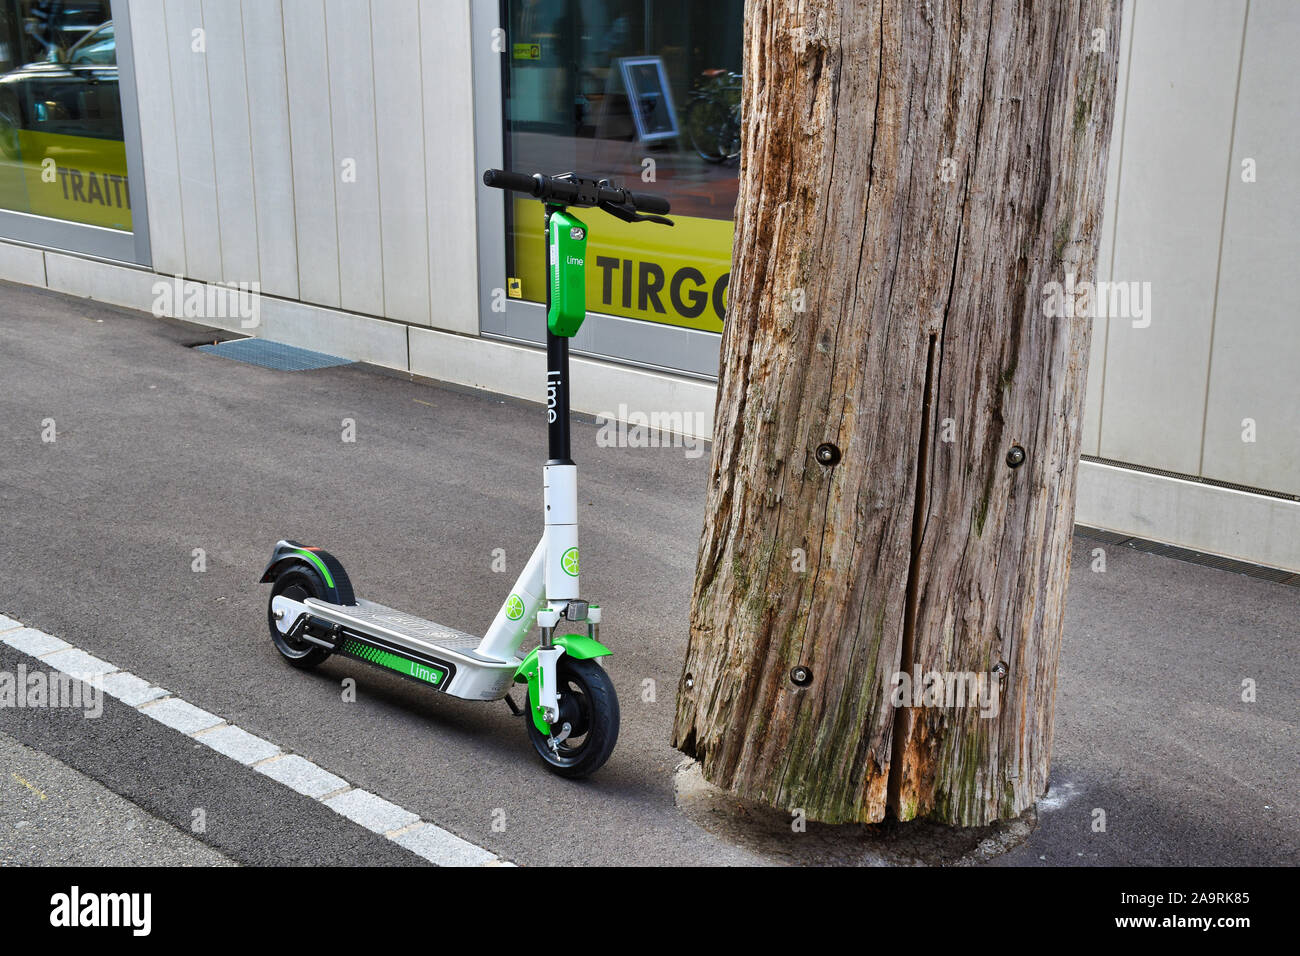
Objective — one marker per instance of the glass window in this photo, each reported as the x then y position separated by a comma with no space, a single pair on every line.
61,148
645,93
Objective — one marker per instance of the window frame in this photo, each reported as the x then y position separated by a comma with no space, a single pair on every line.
681,351
98,241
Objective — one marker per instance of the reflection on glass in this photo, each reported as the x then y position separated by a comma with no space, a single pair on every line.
646,93
61,149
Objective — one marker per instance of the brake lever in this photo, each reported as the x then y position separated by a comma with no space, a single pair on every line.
629,214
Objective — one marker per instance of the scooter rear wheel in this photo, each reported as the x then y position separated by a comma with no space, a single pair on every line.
296,582
590,707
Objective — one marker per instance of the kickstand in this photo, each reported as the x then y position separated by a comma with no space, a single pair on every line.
514,708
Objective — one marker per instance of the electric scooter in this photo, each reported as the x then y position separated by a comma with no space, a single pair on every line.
572,710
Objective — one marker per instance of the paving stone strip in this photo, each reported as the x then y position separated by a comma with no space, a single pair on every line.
427,840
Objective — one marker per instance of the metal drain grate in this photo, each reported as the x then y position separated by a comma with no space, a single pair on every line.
276,355
1276,575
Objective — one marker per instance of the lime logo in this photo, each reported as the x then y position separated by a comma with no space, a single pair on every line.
429,674
514,608
570,562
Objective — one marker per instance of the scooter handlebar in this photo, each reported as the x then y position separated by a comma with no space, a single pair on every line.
648,202
565,191
518,182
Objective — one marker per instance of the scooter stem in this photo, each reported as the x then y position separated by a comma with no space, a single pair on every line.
557,373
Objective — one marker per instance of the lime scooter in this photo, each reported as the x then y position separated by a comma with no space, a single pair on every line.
572,710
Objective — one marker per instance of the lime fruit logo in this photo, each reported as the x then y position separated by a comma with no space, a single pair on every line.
570,562
514,608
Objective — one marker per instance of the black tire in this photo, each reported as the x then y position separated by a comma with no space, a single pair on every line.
589,704
296,582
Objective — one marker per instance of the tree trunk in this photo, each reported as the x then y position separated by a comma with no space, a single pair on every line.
913,177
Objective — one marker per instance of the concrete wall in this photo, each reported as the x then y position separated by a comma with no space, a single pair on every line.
323,148
1204,86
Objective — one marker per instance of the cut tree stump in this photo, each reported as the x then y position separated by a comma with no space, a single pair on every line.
898,423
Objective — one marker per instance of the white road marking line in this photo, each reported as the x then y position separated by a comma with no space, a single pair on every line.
371,811
238,744
431,841
34,642
130,689
78,663
179,715
298,773
424,839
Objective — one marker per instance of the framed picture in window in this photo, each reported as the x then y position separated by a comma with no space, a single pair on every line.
646,82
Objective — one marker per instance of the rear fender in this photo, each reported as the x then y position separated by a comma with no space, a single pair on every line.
338,587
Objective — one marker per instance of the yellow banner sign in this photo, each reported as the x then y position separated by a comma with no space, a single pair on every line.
674,276
77,178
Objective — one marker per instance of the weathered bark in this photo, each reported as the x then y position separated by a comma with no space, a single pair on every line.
923,354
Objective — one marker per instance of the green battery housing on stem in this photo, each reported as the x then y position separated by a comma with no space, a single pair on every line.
568,274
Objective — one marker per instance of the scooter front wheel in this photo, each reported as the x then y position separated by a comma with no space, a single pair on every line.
589,706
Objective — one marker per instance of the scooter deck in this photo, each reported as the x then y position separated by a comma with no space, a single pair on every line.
473,676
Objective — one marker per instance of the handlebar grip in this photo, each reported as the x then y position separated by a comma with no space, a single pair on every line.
648,202
502,179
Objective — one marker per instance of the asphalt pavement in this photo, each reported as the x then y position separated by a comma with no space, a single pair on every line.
167,459
51,814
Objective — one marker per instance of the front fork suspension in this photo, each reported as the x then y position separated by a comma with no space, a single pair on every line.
548,656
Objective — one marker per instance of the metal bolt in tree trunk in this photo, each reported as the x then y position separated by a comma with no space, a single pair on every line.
898,423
